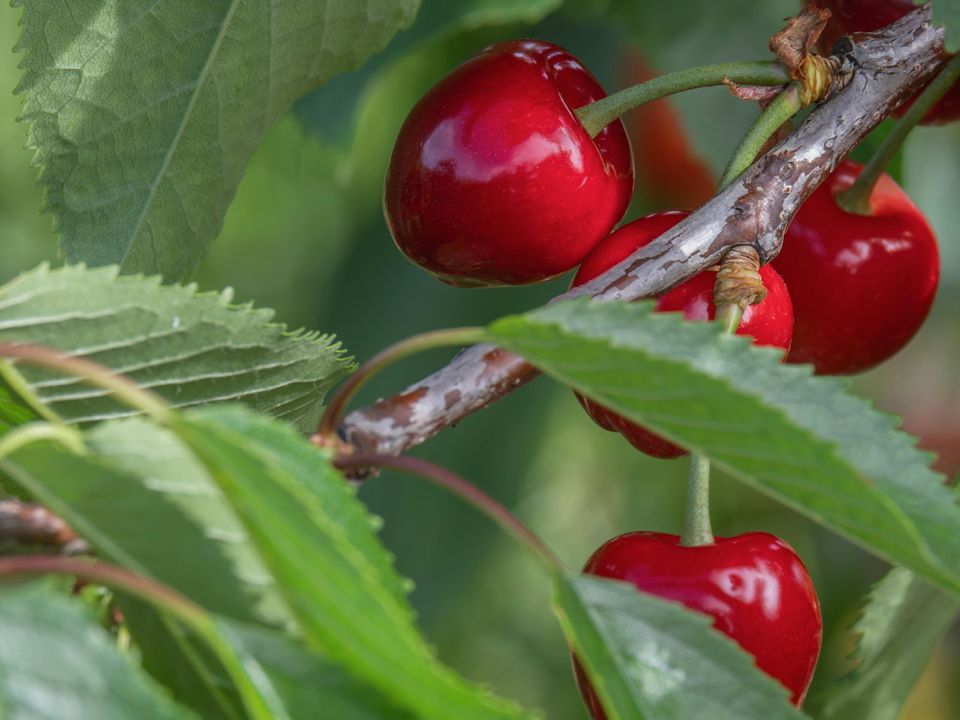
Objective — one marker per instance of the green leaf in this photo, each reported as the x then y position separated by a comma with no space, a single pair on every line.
903,619
191,348
144,115
143,501
306,682
650,658
56,663
335,590
179,662
947,13
299,680
801,439
13,411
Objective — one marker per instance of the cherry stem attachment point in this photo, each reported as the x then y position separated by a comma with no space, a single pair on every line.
462,488
856,198
398,351
123,388
597,115
783,107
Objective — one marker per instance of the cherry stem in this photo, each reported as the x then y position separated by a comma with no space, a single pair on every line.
398,351
856,198
125,389
696,513
462,488
160,596
597,115
783,107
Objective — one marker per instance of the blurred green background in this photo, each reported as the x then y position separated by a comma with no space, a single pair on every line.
306,236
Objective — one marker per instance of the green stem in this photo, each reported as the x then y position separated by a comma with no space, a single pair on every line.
696,513
783,107
597,115
856,198
397,351
160,596
450,481
125,389
39,431
729,316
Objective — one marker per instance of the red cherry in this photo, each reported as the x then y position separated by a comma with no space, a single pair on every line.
754,586
861,285
853,16
494,181
768,323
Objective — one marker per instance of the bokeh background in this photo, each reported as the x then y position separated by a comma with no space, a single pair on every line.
306,237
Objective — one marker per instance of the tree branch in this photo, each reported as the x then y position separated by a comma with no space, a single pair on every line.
754,210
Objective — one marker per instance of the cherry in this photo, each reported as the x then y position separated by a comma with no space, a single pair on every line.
494,181
754,586
861,285
853,16
768,323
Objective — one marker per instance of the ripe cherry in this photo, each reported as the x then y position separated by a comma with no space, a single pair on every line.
494,181
768,323
853,16
861,285
754,586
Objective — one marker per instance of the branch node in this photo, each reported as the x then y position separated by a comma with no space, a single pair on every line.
738,280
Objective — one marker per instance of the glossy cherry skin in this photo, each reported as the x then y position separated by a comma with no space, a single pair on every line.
754,586
853,16
768,323
861,285
494,181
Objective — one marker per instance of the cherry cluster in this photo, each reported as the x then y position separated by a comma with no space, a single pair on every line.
494,181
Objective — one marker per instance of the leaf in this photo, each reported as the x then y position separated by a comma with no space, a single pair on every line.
435,19
334,590
191,348
650,658
143,501
305,682
947,13
56,663
13,411
180,663
902,622
144,114
801,439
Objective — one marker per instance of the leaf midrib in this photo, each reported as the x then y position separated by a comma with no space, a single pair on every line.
187,115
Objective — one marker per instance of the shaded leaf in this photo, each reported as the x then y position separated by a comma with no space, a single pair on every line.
333,589
801,439
56,663
902,622
191,348
147,504
144,114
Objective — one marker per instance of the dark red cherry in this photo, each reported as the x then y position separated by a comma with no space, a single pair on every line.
768,323
861,285
754,586
494,181
853,16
